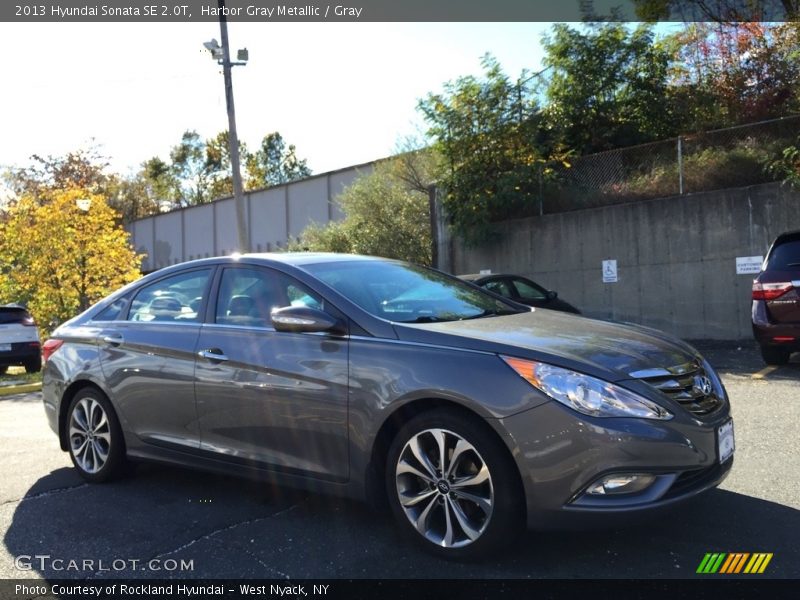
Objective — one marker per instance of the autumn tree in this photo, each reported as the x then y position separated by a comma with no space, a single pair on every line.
733,73
59,259
83,168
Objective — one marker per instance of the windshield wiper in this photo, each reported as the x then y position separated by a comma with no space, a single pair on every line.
490,313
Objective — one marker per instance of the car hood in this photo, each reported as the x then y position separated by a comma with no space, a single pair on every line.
611,351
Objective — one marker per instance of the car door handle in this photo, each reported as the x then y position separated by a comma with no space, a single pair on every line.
115,339
213,354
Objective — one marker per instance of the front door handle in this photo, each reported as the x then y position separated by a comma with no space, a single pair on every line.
213,354
114,339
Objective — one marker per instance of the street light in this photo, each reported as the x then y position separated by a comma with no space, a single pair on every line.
221,54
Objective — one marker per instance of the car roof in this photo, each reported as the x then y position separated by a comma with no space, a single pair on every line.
310,258
787,236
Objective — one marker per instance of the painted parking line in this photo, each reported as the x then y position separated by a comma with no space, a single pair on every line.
764,372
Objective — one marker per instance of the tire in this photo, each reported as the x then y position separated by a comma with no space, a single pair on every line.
100,456
446,515
3,369
33,366
775,356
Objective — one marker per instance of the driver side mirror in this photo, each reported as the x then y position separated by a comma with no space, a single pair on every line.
551,295
304,319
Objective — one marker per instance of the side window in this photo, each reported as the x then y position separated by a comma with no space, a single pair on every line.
247,297
528,291
112,311
173,299
499,287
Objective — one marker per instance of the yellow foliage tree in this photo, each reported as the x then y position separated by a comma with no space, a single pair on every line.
60,257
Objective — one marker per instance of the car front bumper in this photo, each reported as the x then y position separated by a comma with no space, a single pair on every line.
560,453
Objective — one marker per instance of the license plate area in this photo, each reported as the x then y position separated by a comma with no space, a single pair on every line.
5,347
725,441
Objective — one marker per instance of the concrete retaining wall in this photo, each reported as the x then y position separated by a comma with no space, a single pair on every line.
676,257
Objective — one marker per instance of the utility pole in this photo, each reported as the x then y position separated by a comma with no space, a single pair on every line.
223,55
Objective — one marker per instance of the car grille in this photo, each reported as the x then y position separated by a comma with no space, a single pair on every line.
684,384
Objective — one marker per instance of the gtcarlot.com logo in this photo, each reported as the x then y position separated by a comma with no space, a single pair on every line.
43,562
733,563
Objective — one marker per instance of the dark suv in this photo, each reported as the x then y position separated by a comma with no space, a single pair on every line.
776,300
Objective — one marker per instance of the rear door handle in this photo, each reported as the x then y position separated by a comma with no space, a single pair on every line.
114,339
213,354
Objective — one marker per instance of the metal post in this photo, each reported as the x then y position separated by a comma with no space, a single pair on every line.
434,226
233,138
541,189
680,166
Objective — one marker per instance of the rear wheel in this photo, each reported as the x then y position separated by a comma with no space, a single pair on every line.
3,369
452,485
96,446
775,356
33,366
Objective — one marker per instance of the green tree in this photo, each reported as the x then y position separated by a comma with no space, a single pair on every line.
274,163
606,86
488,133
384,216
58,259
189,167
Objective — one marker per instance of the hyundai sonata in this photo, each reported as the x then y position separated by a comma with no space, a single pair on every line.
376,379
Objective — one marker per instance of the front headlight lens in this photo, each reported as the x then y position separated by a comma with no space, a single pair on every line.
588,395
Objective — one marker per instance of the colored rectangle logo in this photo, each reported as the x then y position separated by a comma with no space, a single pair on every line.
734,563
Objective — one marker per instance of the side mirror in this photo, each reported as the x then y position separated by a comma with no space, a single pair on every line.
303,319
551,295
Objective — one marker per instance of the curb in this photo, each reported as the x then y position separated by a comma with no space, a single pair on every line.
20,389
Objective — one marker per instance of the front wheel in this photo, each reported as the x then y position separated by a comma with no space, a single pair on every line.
452,485
96,446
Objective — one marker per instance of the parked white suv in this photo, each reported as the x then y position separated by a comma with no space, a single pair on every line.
19,339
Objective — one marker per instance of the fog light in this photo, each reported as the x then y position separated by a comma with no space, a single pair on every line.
628,483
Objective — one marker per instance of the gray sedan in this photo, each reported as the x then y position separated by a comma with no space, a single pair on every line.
375,379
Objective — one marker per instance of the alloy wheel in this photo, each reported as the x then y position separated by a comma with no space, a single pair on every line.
444,488
89,435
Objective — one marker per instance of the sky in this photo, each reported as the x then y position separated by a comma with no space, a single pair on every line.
343,93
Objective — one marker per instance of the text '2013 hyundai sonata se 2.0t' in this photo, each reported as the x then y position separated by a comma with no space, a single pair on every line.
380,380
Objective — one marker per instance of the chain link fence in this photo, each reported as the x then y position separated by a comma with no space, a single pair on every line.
719,159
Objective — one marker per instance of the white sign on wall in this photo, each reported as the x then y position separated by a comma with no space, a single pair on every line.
610,271
748,265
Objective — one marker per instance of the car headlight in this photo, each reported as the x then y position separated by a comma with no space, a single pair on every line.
585,394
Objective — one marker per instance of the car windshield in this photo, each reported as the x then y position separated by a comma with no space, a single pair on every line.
406,293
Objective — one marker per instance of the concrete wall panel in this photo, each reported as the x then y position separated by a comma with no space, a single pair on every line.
676,257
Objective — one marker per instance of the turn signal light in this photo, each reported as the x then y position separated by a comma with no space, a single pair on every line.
770,291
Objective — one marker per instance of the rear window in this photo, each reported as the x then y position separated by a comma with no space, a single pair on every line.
10,314
785,257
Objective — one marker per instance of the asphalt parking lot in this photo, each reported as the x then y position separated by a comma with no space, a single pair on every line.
228,527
